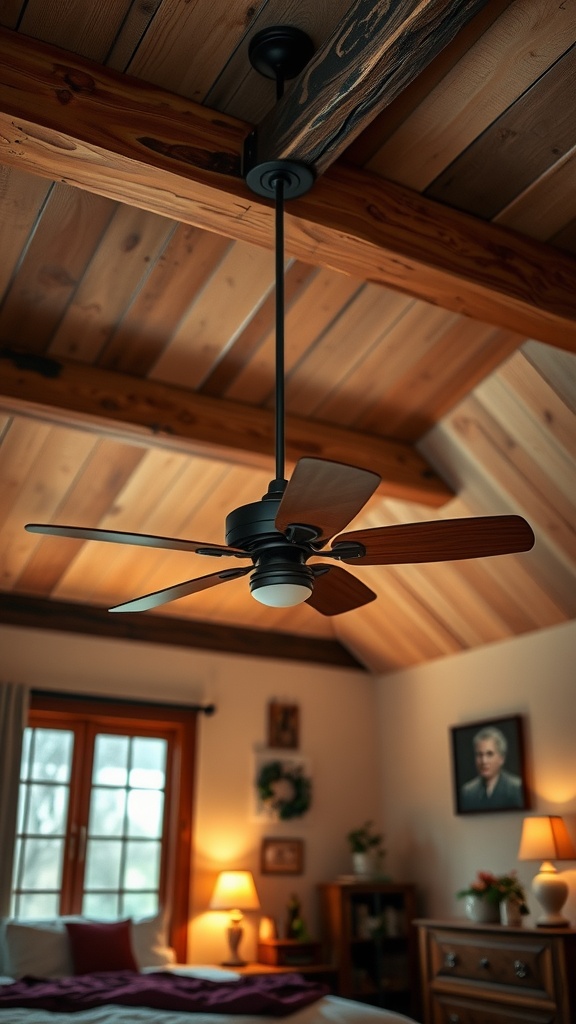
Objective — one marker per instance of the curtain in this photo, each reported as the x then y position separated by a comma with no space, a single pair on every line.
14,700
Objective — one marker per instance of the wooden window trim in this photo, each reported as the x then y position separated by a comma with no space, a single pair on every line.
180,721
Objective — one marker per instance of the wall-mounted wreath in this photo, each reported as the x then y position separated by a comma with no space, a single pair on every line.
284,788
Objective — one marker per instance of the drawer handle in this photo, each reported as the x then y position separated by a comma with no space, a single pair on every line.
450,960
485,963
520,969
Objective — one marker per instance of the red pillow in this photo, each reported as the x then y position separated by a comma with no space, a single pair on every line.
101,946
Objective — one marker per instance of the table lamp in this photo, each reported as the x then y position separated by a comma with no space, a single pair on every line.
235,892
546,838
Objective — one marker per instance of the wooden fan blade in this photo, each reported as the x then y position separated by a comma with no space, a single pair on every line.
146,540
337,591
148,601
442,541
325,495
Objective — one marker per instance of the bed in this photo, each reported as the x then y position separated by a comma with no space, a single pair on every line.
71,970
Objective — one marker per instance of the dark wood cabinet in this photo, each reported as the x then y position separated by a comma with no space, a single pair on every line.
491,974
368,934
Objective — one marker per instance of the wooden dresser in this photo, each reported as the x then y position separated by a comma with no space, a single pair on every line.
491,974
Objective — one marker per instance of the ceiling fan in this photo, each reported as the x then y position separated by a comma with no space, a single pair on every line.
301,519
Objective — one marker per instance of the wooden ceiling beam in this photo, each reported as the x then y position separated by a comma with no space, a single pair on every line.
66,118
69,617
374,53
139,411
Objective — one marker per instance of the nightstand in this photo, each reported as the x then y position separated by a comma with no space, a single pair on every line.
317,972
492,974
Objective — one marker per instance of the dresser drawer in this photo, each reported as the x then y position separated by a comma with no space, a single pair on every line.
514,962
452,1010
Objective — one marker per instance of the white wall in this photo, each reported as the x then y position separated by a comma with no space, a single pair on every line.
338,733
533,676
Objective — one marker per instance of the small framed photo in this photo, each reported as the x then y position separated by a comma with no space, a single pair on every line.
282,857
489,769
283,726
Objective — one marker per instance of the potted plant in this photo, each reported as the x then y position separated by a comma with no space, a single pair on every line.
488,893
367,850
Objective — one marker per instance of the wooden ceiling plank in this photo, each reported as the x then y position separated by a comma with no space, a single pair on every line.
52,266
89,29
216,316
305,322
329,381
355,74
182,271
148,412
467,352
524,142
65,117
559,373
542,209
540,397
22,196
35,613
127,251
519,47
257,332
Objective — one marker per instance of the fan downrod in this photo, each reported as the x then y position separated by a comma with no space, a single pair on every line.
280,52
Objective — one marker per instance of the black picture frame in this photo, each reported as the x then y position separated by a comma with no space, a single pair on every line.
471,794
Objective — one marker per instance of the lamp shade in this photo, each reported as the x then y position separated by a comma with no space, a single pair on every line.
234,890
545,837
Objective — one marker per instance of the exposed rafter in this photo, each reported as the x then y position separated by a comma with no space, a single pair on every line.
375,52
66,118
145,411
66,617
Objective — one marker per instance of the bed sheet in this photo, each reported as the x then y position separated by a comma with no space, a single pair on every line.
329,1010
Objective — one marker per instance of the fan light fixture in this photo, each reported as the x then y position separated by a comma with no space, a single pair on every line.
303,518
235,892
546,838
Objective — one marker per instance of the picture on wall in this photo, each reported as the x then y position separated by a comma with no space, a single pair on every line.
282,857
488,766
283,726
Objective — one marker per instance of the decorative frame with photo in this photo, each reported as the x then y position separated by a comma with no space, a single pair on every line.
283,726
282,856
488,766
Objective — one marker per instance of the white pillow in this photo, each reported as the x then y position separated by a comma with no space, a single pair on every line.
42,948
150,943
37,947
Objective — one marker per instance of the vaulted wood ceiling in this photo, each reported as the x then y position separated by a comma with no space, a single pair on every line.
430,289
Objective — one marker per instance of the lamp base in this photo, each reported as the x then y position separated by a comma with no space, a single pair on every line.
551,891
234,933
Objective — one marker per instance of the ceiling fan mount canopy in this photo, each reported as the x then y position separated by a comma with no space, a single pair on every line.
280,52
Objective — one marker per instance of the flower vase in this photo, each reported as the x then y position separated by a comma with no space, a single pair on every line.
481,911
510,913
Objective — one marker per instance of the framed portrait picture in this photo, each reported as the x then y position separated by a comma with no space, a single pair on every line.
489,769
282,857
283,726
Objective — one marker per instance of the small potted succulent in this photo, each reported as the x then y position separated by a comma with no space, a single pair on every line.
367,850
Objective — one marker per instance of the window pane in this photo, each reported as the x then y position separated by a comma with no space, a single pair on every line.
26,741
111,760
103,858
36,904
148,766
51,755
139,904
142,867
47,809
101,905
107,810
41,864
145,810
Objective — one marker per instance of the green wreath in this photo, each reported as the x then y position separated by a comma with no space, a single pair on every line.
294,806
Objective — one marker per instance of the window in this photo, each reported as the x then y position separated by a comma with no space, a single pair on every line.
105,811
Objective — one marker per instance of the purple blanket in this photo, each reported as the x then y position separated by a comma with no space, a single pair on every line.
274,995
